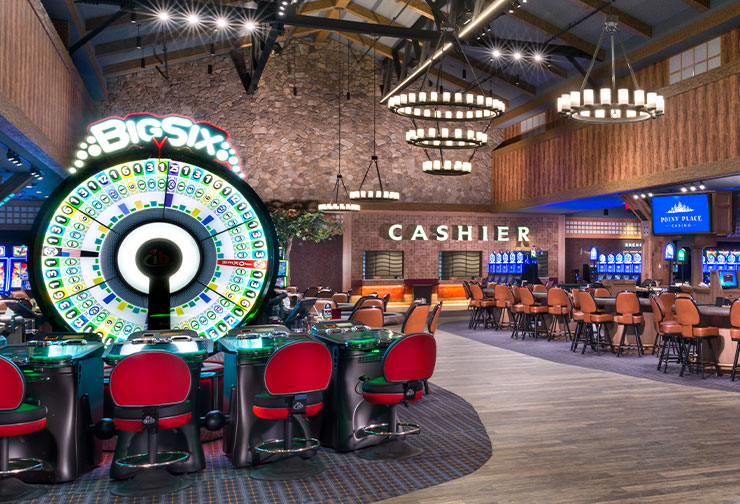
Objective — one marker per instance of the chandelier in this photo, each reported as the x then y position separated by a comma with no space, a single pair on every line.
374,194
334,205
613,105
446,167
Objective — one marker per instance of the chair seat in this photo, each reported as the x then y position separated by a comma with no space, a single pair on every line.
557,310
629,319
381,391
703,332
735,334
486,303
670,327
601,318
278,407
170,417
537,309
25,419
578,315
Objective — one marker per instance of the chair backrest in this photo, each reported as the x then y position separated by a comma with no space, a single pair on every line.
735,313
658,315
386,298
292,289
557,297
539,288
491,285
433,318
297,368
687,313
627,303
527,297
371,316
684,295
587,303
311,292
601,292
325,294
516,291
576,300
322,303
466,288
476,291
410,358
13,388
340,297
151,378
372,302
666,300
416,320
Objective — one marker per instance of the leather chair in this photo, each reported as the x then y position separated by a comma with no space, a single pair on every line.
601,292
559,307
407,365
386,299
668,333
295,377
482,308
735,333
628,309
534,315
371,316
593,317
340,297
416,320
325,293
694,335
18,417
433,318
579,317
150,391
372,301
539,288
504,303
311,292
518,310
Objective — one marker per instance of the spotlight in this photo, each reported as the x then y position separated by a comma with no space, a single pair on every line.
221,22
163,15
133,18
643,195
517,55
650,194
636,196
683,189
36,173
496,53
537,57
702,186
249,26
193,19
138,41
693,188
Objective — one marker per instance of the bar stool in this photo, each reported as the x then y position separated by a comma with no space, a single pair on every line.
664,301
668,333
628,308
18,417
593,317
295,377
579,317
534,315
693,336
482,307
150,391
735,333
518,311
407,365
504,303
559,307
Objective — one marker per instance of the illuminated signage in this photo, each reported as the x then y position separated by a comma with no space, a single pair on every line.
681,255
593,254
669,252
443,232
20,251
114,134
681,214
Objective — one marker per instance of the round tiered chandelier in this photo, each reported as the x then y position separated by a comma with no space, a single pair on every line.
611,105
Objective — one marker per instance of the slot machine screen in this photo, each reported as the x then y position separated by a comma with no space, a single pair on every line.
610,266
628,268
3,272
20,251
19,272
728,279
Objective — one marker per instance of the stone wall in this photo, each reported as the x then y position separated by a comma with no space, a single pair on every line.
421,257
288,143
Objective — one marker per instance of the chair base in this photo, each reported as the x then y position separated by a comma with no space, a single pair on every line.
14,490
151,482
298,445
289,468
141,460
389,450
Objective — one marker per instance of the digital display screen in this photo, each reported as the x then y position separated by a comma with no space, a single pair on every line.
2,276
669,253
728,279
20,251
593,254
682,214
18,273
282,268
84,272
2,250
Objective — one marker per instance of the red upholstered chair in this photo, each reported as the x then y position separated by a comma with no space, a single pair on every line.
407,364
295,377
150,391
17,418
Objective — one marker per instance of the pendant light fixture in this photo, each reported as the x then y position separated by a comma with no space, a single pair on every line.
335,205
370,194
612,105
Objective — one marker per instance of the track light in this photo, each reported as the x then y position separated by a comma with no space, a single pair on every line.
693,188
643,195
702,186
14,158
650,195
683,189
635,196
133,18
36,173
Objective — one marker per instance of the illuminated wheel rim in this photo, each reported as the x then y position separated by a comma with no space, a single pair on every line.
92,227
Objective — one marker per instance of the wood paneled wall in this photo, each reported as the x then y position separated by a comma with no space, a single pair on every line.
41,93
697,138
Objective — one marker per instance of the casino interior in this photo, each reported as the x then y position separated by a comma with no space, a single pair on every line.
352,251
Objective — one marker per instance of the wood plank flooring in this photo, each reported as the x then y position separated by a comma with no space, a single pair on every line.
574,435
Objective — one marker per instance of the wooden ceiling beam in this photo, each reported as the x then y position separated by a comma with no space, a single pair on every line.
190,53
368,15
418,6
626,21
335,13
700,5
551,29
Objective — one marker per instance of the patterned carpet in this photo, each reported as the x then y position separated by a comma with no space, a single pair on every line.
559,351
455,443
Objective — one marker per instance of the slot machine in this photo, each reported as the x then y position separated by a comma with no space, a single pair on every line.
637,266
18,267
610,266
519,263
601,267
4,272
628,265
491,264
499,267
619,265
